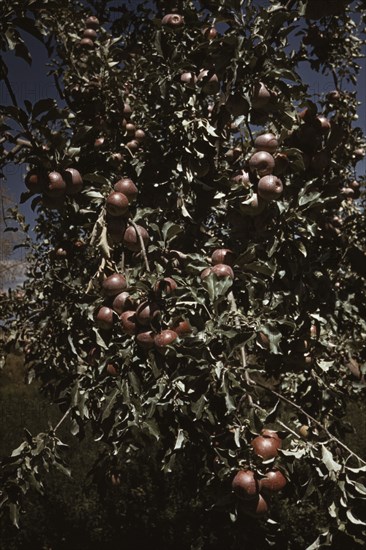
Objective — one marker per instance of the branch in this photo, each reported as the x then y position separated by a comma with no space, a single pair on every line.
311,418
7,83
62,420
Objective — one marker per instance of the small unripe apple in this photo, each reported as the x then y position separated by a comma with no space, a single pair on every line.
127,187
254,206
55,185
261,96
86,43
128,322
74,181
262,163
270,188
90,33
92,22
117,204
210,82
173,20
131,237
304,431
114,284
104,318
223,256
266,142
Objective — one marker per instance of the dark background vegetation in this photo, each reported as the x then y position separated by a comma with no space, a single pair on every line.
147,509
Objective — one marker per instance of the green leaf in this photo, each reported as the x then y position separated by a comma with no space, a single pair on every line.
14,514
328,460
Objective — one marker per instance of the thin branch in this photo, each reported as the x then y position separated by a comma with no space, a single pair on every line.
311,418
142,244
62,420
7,83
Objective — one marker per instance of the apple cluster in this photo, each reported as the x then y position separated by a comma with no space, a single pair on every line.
89,33
54,185
261,165
222,260
254,488
141,319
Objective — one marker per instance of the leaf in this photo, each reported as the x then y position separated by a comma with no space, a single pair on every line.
42,106
329,462
110,401
353,519
14,514
180,439
170,230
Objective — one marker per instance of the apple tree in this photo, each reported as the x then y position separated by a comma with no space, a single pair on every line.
196,274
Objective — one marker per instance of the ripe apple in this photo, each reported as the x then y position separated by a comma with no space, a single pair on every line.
128,322
92,22
112,369
117,204
304,431
188,78
130,129
173,20
86,43
127,187
223,256
257,507
74,181
209,32
127,110
114,284
139,135
265,447
34,181
262,163
273,482
164,339
122,302
165,286
266,142
324,124
131,238
90,33
233,154
359,153
146,312
182,327
261,96
104,318
333,96
245,484
270,188
253,206
145,339
99,143
133,145
209,81
55,185
242,178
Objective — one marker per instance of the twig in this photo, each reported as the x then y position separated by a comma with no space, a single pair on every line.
142,244
311,418
7,83
62,420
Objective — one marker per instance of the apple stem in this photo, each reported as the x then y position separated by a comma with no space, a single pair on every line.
142,244
311,418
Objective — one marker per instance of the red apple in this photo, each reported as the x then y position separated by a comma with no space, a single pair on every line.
273,482
145,339
128,322
34,181
188,78
131,238
165,286
253,206
146,312
74,181
164,339
139,135
55,185
209,81
122,302
117,204
173,20
92,22
262,163
257,507
114,284
90,33
245,484
270,188
127,187
222,271
266,447
223,256
104,318
266,142
261,96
